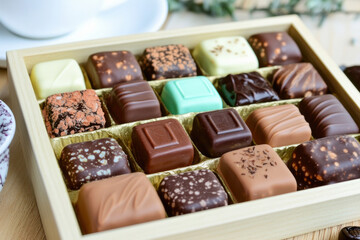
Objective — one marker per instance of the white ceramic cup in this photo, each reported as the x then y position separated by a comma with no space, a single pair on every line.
49,18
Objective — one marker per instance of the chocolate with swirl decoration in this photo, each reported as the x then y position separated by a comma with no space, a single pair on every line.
246,88
298,80
117,202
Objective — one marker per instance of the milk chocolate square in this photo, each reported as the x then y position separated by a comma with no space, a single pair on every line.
73,112
298,80
133,101
325,161
275,48
170,61
218,132
161,145
278,126
92,160
353,73
190,192
118,202
327,116
255,172
105,69
246,88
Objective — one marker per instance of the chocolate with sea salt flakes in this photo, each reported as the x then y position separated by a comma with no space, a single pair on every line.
92,160
192,192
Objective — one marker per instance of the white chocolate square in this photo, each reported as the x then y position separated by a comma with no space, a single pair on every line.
222,56
56,76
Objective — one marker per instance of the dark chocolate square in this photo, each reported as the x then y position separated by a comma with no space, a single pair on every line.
161,145
217,132
327,116
192,192
246,88
353,73
275,48
73,112
133,101
325,161
170,61
92,160
105,69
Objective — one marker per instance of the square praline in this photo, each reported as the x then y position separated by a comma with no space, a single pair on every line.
133,101
218,132
105,69
161,145
278,126
225,55
195,94
56,76
275,48
118,202
190,192
246,88
255,172
92,160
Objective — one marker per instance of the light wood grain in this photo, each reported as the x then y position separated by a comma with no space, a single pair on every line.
286,209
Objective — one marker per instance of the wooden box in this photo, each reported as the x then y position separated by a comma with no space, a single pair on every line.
270,218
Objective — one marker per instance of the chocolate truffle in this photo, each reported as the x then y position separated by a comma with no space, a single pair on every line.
325,161
353,73
161,145
255,172
195,94
92,160
278,126
221,56
171,61
56,76
327,116
73,112
298,80
105,69
275,48
118,202
192,192
246,88
349,233
133,101
218,132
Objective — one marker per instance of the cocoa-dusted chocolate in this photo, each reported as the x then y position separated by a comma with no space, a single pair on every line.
217,132
349,233
73,112
298,80
105,69
327,116
278,126
255,172
161,145
353,73
275,48
170,61
325,161
133,101
118,202
246,88
190,192
92,160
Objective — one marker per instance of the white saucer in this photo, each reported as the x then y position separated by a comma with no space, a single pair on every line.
134,16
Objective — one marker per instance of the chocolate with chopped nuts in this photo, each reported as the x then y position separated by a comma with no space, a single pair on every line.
325,161
255,172
350,233
192,192
92,160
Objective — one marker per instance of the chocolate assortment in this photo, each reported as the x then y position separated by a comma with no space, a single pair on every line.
203,141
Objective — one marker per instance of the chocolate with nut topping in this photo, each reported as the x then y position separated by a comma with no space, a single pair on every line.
325,161
350,233
92,160
192,192
105,69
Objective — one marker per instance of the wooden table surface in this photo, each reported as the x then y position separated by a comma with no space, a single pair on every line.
19,216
